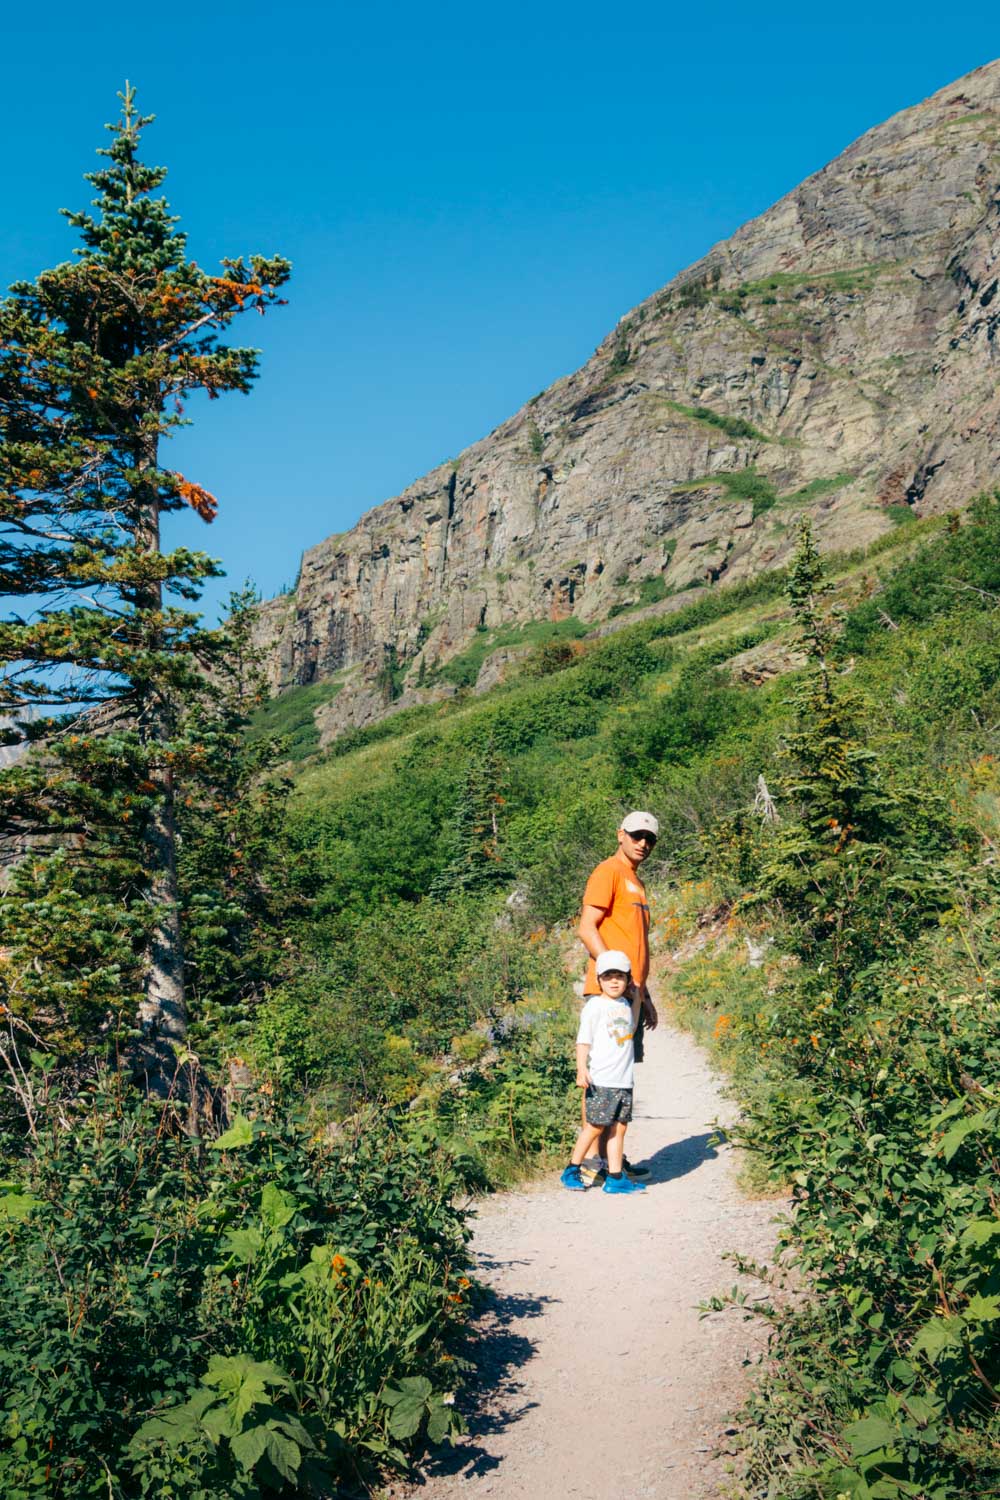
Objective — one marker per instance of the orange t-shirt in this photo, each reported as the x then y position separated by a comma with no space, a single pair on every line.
616,888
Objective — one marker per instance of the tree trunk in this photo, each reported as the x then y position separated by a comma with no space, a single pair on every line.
162,1012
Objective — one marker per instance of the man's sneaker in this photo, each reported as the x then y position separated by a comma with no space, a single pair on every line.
572,1179
622,1185
593,1169
637,1174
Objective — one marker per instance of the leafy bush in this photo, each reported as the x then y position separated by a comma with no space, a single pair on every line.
679,726
235,1322
381,993
865,1053
962,565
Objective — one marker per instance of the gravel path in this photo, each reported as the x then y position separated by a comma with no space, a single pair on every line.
597,1378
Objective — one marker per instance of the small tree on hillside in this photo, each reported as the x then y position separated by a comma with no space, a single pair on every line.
850,861
97,360
476,860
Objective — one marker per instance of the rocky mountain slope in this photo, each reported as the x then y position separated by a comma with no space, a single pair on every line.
839,354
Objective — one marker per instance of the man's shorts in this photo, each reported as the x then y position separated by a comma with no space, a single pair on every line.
606,1106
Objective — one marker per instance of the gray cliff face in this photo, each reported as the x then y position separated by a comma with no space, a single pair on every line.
839,355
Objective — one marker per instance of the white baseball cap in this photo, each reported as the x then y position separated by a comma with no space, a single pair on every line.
613,959
641,822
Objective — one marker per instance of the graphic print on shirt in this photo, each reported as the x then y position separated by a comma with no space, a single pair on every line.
620,1028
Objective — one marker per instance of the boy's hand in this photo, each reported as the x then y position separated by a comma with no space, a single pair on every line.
583,1080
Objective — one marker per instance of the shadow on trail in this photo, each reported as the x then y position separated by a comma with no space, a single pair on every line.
681,1157
493,1398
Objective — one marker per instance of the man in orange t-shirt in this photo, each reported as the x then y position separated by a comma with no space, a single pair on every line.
616,915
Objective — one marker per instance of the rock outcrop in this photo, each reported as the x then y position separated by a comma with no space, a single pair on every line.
839,354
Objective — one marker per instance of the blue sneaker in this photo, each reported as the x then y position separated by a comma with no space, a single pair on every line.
622,1185
571,1178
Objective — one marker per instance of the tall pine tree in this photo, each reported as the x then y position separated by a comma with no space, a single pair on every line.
97,360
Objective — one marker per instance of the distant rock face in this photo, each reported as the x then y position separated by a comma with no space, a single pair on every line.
839,355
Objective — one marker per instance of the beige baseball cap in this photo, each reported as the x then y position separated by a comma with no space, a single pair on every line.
614,958
641,822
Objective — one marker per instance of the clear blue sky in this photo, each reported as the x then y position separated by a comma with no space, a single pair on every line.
471,196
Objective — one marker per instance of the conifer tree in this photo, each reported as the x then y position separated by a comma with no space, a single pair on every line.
239,892
476,861
97,359
849,863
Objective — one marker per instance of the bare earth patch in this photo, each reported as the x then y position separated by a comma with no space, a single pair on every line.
596,1376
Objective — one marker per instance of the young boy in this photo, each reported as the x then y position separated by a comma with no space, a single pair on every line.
605,1060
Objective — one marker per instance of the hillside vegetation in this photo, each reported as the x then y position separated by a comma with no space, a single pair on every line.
278,1310
842,818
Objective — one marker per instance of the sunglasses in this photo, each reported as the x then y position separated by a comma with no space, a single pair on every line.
642,838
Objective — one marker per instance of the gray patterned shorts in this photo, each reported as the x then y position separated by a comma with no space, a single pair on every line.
606,1106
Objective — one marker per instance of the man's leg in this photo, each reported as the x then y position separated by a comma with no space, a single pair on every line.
639,1036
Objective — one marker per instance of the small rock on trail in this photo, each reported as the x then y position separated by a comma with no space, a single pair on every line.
596,1376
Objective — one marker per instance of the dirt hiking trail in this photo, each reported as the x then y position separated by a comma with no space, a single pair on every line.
596,1377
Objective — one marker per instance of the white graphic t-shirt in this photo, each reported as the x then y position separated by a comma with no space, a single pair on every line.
607,1027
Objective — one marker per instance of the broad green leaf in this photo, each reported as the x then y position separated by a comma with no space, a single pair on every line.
438,1423
980,1232
868,1434
240,1133
220,1423
276,1207
243,1245
243,1380
922,1410
418,1385
284,1454
249,1447
407,1413
935,1336
850,1483
971,1125
949,1112
983,1309
293,1428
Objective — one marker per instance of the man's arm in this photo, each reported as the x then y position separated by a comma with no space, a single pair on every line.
588,933
648,1008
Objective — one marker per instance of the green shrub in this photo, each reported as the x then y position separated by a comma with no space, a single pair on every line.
160,1297
865,1056
960,566
735,427
679,726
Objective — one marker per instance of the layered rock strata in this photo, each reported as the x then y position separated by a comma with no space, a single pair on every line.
838,355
